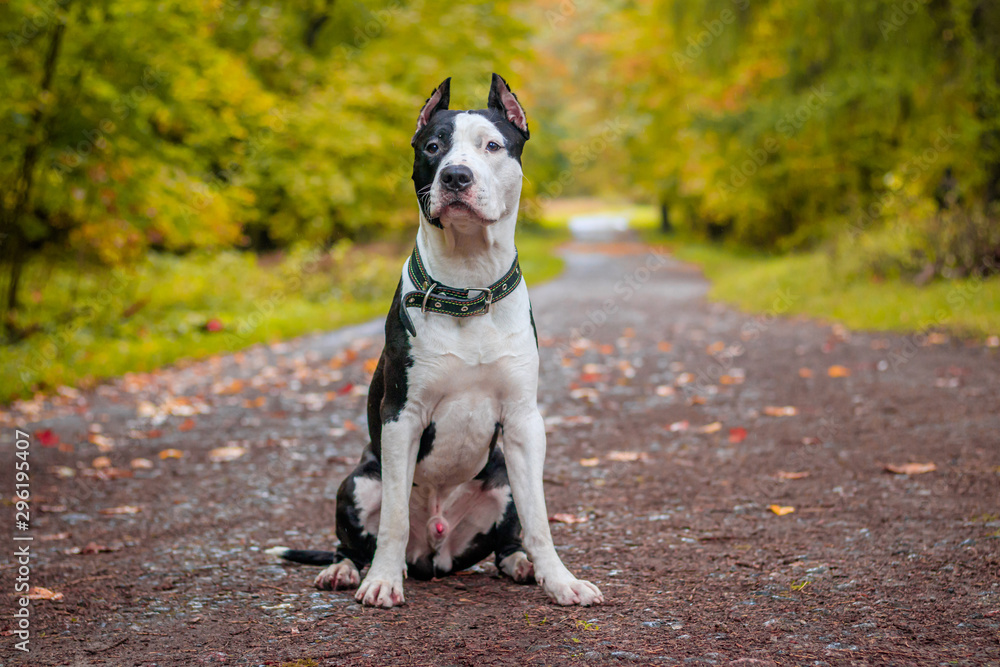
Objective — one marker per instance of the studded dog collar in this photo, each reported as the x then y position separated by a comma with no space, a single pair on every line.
455,301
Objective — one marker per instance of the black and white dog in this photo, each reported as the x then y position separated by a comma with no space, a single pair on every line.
434,493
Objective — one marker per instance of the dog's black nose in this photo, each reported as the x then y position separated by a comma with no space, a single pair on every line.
456,177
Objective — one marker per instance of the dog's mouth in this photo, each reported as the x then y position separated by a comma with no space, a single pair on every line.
459,209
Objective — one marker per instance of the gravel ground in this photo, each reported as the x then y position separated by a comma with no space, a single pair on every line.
723,478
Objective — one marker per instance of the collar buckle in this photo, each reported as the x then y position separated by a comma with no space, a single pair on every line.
427,294
489,296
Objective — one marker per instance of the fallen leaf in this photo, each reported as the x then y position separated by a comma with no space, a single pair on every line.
805,372
370,365
781,510
606,349
784,474
101,462
697,399
811,440
737,435
993,341
781,411
714,427
260,401
213,325
39,593
665,390
664,346
225,454
91,548
679,426
47,438
186,425
684,378
171,454
587,393
63,472
567,518
627,457
122,509
838,371
53,536
590,463
141,464
102,442
910,468
715,348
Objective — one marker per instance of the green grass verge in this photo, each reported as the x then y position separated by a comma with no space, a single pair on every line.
811,284
86,325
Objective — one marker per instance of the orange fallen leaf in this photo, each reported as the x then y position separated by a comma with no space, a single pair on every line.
39,593
627,457
737,435
370,365
781,411
590,463
261,400
226,454
714,427
805,372
567,518
101,462
171,454
122,509
141,464
664,346
784,474
838,371
606,349
717,346
781,510
186,425
910,468
697,399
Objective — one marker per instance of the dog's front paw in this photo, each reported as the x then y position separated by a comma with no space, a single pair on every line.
339,575
573,591
381,591
518,567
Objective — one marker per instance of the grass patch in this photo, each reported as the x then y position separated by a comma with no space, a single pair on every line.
83,324
812,284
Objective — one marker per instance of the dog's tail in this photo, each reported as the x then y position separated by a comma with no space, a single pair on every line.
305,556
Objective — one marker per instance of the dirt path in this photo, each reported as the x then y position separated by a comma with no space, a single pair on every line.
871,568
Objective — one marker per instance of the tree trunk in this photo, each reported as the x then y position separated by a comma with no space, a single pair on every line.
12,238
665,225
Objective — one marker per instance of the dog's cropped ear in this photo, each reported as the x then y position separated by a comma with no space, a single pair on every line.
504,101
438,101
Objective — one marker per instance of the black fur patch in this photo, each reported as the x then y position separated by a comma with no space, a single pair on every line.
440,130
387,392
426,442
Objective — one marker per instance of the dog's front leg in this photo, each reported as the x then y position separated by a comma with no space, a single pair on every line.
383,585
524,449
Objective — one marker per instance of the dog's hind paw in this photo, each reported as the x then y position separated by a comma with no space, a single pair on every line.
518,567
337,576
573,591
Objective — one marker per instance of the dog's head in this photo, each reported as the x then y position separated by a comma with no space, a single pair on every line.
467,164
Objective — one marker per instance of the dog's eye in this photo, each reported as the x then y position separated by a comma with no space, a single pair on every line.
431,148
493,147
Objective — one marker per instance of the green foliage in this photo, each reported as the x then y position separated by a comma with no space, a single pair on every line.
780,124
813,284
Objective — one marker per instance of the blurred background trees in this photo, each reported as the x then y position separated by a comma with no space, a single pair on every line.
867,127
